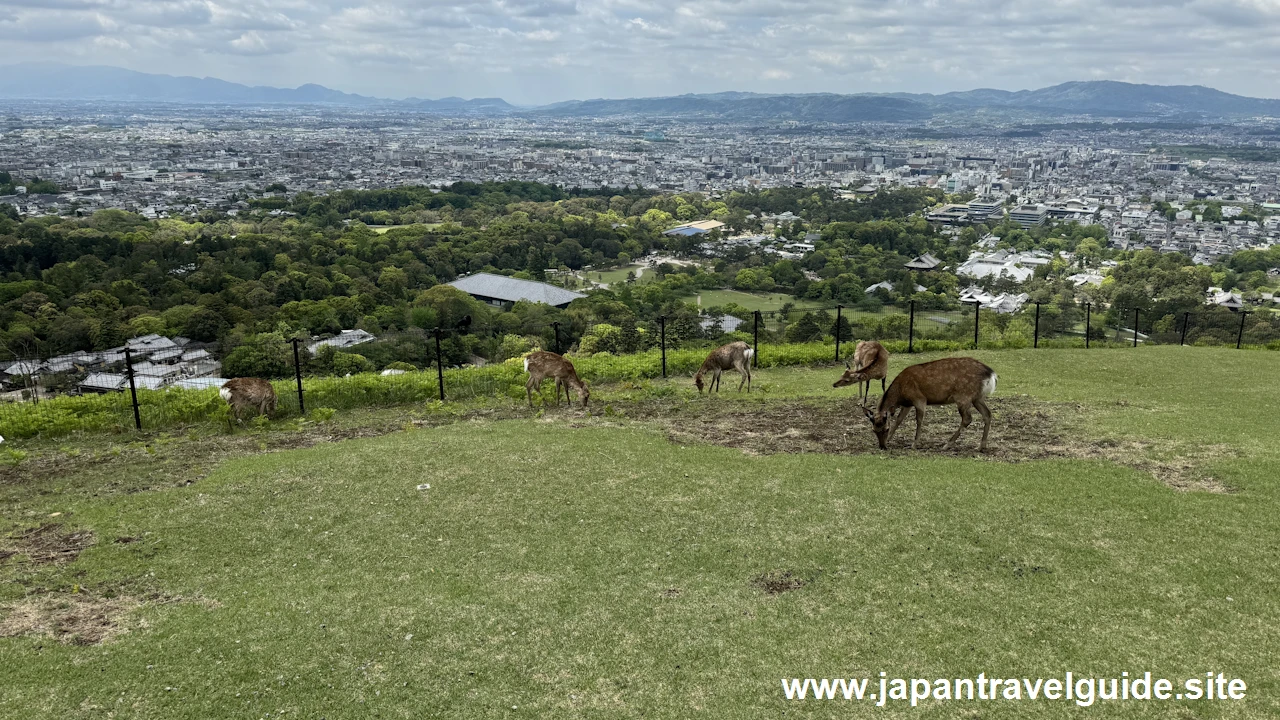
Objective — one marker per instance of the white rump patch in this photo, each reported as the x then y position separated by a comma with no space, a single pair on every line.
749,353
989,385
226,394
526,364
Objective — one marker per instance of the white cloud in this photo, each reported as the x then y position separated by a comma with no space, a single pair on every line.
536,50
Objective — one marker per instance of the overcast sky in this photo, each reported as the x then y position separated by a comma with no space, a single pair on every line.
547,50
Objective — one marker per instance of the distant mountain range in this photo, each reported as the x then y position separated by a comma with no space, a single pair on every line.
49,81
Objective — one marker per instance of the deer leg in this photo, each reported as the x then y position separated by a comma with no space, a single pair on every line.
965,418
528,390
897,420
919,424
745,376
986,421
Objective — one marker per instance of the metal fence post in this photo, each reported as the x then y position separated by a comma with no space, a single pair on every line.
1135,327
439,365
133,388
662,330
839,309
297,374
1186,320
911,328
1036,341
1088,311
977,307
755,340
555,326
1240,335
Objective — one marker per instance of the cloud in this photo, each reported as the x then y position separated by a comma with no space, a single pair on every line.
535,50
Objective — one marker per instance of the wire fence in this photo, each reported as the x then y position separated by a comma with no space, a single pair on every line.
150,386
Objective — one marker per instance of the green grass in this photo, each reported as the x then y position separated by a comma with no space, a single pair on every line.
384,229
751,301
618,275
566,566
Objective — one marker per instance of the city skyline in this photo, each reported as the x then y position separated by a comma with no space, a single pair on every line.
538,53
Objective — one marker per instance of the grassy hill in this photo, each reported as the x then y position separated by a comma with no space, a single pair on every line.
660,557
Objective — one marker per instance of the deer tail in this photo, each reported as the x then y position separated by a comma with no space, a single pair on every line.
989,384
749,353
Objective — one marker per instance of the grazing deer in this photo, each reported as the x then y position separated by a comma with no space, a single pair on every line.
963,382
870,362
734,356
541,365
244,393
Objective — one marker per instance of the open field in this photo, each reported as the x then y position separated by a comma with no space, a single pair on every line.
644,274
384,229
763,302
666,555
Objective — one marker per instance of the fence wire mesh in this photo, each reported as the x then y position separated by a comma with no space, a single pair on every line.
177,386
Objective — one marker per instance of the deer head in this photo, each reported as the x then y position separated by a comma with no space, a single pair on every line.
697,380
879,425
851,375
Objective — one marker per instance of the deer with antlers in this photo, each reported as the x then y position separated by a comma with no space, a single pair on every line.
963,382
734,356
541,365
870,362
243,394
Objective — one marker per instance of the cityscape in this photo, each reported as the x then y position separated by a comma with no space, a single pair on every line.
906,357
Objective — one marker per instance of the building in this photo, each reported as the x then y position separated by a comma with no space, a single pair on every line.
344,339
1019,267
498,290
1029,216
695,228
924,262
951,215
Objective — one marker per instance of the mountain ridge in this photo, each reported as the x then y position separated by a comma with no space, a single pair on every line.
56,81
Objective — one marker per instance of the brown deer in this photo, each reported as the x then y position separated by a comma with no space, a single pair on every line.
244,393
541,365
734,356
870,362
963,382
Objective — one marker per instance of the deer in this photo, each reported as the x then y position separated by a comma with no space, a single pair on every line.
870,362
541,365
245,393
734,356
963,382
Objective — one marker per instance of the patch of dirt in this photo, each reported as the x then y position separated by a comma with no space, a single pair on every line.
1022,429
48,544
776,582
72,619
670,593
81,618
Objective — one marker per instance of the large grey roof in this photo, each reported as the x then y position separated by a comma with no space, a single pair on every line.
510,289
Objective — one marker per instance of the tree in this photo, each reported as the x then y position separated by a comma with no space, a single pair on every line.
204,325
261,356
351,364
806,329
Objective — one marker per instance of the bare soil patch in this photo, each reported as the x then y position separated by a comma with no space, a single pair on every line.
776,582
1022,428
85,617
48,543
69,618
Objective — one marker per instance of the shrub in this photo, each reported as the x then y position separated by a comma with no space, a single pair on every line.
351,364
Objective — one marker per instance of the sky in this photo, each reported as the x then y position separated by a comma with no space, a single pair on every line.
541,51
